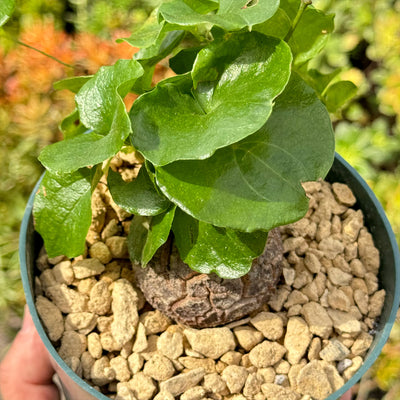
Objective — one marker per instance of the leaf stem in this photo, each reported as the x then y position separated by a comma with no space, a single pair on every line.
304,4
106,166
39,51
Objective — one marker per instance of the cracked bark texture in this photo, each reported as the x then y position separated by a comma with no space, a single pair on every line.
205,300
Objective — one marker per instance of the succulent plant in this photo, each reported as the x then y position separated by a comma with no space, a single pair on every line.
226,142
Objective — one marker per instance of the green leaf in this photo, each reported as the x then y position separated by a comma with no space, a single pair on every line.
62,211
102,110
206,248
277,26
71,125
167,41
338,94
139,196
149,57
155,40
311,33
176,121
255,184
317,80
100,101
231,15
202,6
147,34
144,83
290,7
147,235
183,61
73,84
6,10
79,151
250,12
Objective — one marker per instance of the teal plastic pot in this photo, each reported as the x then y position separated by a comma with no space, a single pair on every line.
76,388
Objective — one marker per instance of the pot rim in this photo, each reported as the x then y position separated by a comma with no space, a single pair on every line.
372,353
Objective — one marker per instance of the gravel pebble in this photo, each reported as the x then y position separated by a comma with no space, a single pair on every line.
51,317
211,342
266,354
297,339
235,377
182,382
88,267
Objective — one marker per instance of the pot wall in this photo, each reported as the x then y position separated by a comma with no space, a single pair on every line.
76,388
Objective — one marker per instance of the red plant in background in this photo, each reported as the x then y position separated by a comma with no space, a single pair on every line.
26,72
27,76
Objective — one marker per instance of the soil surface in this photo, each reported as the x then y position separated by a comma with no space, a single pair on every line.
308,339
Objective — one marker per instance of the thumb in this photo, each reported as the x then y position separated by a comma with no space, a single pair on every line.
26,371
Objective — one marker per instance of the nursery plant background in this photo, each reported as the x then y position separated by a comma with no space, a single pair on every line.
81,33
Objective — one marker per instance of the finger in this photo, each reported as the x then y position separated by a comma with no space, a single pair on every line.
346,396
26,371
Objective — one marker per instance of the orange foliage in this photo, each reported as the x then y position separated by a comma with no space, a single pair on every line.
25,72
92,52
27,76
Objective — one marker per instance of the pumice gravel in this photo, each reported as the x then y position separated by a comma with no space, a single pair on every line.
305,343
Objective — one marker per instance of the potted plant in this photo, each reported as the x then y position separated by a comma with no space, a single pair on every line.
225,146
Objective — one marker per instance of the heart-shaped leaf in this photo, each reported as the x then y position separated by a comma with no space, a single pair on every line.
255,184
6,10
102,110
147,235
139,196
206,248
62,211
231,14
236,84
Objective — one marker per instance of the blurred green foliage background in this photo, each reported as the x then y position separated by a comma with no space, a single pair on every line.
365,46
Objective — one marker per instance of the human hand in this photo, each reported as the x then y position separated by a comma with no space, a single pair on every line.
26,371
346,396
